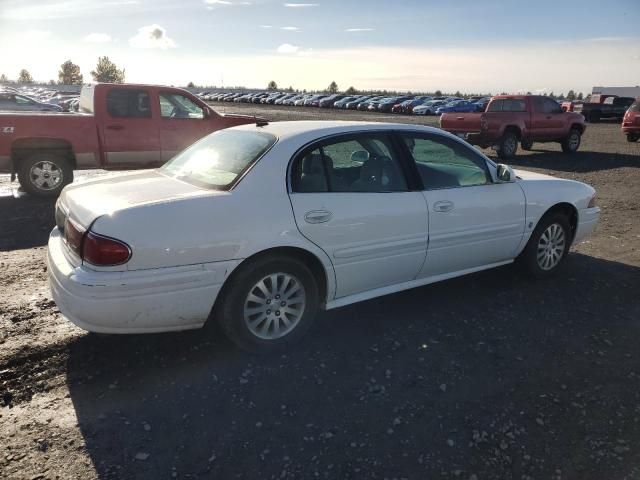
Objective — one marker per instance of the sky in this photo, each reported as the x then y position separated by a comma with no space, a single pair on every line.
472,46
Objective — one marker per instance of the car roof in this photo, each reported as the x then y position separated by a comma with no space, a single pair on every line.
290,129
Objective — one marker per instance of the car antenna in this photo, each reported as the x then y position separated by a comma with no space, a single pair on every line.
261,123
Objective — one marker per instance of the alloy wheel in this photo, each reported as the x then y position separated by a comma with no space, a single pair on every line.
551,247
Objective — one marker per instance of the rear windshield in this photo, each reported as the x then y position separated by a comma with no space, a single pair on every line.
635,107
507,105
219,159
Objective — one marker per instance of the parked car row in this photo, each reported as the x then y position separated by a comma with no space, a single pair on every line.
28,99
406,104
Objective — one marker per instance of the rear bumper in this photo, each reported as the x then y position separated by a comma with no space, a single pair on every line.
141,301
587,220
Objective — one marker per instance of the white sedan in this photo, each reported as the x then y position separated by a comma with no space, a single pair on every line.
259,226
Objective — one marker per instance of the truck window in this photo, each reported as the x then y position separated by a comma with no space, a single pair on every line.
174,105
508,105
549,105
128,103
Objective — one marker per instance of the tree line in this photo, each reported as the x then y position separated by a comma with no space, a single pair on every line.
69,74
107,71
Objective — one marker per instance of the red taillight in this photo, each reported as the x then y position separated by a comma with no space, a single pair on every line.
73,234
104,251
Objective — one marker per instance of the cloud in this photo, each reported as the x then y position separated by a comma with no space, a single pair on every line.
47,10
152,36
290,29
97,38
367,29
266,26
34,35
287,49
224,3
300,5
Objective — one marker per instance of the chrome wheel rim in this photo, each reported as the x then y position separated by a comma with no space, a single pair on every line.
574,141
274,306
509,146
46,175
551,247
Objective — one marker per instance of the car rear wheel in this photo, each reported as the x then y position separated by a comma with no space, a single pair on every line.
508,145
269,304
45,174
548,246
571,142
632,138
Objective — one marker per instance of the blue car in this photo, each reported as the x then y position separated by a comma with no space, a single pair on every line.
459,106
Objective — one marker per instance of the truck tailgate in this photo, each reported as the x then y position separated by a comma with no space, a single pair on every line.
460,122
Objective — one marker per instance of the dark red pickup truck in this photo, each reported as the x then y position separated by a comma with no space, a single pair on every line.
120,126
510,119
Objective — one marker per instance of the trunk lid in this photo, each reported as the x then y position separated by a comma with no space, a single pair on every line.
87,201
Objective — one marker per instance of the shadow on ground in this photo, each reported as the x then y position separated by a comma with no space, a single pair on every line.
489,374
580,161
25,222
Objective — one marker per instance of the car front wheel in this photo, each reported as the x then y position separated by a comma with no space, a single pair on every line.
270,303
548,246
508,145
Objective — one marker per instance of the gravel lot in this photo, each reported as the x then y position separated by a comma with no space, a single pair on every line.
489,376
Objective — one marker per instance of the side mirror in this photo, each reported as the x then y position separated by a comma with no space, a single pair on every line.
360,156
505,173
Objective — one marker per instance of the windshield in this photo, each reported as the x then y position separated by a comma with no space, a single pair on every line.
219,159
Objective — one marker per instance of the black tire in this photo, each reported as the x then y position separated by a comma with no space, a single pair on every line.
60,174
632,138
571,142
526,144
229,311
528,259
508,145
594,117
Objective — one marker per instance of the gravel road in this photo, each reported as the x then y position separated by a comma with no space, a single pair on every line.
490,376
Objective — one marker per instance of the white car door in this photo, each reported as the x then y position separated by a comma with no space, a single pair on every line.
473,221
351,198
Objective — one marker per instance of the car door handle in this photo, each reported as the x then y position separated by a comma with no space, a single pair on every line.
443,206
115,127
318,216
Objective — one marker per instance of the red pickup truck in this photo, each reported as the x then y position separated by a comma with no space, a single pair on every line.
510,119
120,126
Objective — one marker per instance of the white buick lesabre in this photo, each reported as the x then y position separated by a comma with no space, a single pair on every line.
258,226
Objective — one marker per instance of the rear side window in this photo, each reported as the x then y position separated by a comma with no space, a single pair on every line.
635,107
358,163
128,103
508,105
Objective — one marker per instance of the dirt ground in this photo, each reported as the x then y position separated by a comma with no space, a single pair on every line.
490,376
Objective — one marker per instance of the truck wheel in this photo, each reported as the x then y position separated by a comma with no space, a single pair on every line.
571,142
526,144
45,174
508,145
594,117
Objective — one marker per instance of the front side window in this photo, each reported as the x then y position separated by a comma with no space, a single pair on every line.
446,163
360,163
550,106
219,159
507,105
128,103
174,105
